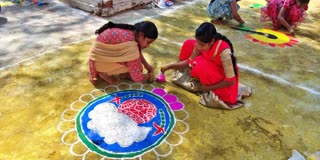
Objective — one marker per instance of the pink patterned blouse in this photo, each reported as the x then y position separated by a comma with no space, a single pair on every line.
116,36
294,15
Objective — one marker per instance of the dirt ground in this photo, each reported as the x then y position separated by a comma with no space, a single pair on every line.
283,113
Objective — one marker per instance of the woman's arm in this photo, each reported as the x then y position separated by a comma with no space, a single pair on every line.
179,65
146,65
221,84
283,21
182,64
229,72
235,13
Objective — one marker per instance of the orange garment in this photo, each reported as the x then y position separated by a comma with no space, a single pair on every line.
107,57
209,69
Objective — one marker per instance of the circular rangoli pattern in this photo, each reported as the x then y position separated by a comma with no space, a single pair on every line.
122,122
281,40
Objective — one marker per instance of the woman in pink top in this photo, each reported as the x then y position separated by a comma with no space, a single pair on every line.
116,52
286,13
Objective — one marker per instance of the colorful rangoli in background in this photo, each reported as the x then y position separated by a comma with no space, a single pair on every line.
277,39
256,5
122,123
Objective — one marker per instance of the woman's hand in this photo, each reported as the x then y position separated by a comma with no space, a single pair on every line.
291,31
235,13
282,20
242,22
149,68
151,79
204,88
164,68
148,77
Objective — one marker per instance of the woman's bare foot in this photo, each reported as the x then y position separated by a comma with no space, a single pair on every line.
92,72
109,79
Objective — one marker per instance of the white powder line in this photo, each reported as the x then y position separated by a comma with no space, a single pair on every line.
266,75
308,89
277,79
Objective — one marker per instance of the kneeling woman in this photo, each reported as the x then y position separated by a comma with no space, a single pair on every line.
210,60
116,52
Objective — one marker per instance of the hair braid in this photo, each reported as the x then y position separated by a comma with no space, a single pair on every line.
233,58
148,28
114,25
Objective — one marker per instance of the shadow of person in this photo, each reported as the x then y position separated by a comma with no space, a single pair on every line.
3,21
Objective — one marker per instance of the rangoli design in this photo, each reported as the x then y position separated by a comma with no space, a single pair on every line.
272,38
122,123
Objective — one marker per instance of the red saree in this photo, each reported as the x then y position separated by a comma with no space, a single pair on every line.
208,68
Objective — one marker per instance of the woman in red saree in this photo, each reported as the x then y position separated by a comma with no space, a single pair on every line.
211,61
285,13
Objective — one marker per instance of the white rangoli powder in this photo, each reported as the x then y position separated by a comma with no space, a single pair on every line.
115,127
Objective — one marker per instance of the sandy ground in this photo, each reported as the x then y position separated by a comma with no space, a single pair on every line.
39,84
32,30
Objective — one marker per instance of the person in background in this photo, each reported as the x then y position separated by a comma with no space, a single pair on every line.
116,53
218,10
285,13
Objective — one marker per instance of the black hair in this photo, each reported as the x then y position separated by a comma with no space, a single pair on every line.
304,1
206,32
148,28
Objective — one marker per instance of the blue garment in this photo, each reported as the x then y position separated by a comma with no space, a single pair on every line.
220,9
